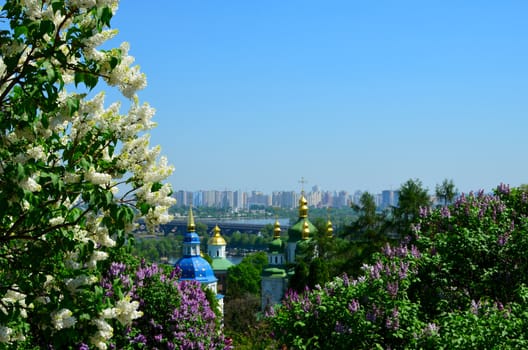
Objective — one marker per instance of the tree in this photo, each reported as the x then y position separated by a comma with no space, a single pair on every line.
412,198
244,278
477,249
369,224
446,191
74,174
367,234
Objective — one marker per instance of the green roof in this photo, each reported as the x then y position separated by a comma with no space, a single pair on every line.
274,272
276,246
295,231
221,264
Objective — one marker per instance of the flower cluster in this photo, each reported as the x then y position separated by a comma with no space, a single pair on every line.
481,229
458,282
63,158
348,312
175,314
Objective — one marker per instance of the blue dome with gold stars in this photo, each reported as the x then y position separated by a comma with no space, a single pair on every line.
192,265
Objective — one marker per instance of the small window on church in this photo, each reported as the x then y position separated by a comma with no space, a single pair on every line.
217,253
275,260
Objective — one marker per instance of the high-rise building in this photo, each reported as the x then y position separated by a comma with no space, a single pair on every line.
259,198
197,199
181,198
239,200
389,198
341,200
208,198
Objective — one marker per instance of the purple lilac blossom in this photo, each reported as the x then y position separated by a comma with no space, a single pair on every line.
353,306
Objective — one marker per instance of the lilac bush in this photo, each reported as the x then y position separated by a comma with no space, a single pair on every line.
478,251
176,314
346,313
458,282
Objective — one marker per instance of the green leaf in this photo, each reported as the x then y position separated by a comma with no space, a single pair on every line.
144,208
109,198
156,187
78,78
90,80
300,324
57,5
74,214
114,61
21,171
46,27
105,15
21,31
72,104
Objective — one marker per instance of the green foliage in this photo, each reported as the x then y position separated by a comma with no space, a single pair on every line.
153,249
367,233
63,160
446,191
369,312
245,277
459,282
174,314
412,197
476,249
240,240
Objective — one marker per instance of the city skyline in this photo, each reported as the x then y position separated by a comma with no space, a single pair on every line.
281,199
350,95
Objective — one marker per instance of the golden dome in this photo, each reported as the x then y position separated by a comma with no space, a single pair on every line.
306,230
276,230
217,239
329,229
303,206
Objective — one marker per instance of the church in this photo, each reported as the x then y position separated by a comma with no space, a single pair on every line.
216,248
282,256
193,266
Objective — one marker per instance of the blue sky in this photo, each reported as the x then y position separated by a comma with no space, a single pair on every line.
353,95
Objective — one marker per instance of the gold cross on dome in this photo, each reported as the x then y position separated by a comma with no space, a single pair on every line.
302,181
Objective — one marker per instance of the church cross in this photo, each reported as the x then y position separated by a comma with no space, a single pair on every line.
302,181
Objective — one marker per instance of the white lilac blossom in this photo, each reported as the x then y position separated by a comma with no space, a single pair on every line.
63,319
56,221
12,296
30,185
36,153
73,284
83,3
68,155
102,237
98,178
127,311
96,256
5,334
128,79
103,334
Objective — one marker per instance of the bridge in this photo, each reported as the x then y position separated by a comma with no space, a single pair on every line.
227,228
